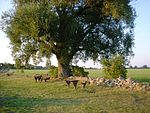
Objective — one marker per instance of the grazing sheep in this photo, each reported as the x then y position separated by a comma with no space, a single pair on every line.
37,77
45,77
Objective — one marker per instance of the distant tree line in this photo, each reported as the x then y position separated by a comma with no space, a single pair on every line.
141,67
7,66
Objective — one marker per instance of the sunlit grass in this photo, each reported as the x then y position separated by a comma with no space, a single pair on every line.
21,94
140,75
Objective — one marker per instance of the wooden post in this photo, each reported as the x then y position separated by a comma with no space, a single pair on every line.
75,82
84,84
68,83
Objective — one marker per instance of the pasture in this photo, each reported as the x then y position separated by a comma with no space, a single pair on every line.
140,75
19,93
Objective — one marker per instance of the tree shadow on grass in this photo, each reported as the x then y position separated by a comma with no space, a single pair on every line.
26,101
19,103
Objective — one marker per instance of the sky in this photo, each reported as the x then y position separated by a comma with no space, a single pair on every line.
140,49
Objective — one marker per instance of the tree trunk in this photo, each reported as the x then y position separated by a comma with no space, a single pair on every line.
63,71
63,67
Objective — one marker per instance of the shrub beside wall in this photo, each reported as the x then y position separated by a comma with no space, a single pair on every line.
114,67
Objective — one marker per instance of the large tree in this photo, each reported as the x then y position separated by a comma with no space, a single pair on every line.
70,29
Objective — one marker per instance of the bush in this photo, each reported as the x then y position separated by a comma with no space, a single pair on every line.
114,67
53,71
75,71
79,71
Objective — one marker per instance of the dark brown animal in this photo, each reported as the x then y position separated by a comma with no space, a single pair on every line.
38,77
45,78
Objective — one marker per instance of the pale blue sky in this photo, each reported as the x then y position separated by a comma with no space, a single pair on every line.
142,36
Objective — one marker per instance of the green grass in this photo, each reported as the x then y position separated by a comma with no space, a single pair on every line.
31,72
140,75
19,93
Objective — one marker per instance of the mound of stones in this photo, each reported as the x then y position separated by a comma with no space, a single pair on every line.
128,83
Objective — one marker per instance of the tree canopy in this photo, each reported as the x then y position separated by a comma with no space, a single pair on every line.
70,29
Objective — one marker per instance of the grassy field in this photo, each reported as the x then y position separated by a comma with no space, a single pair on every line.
141,75
19,93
